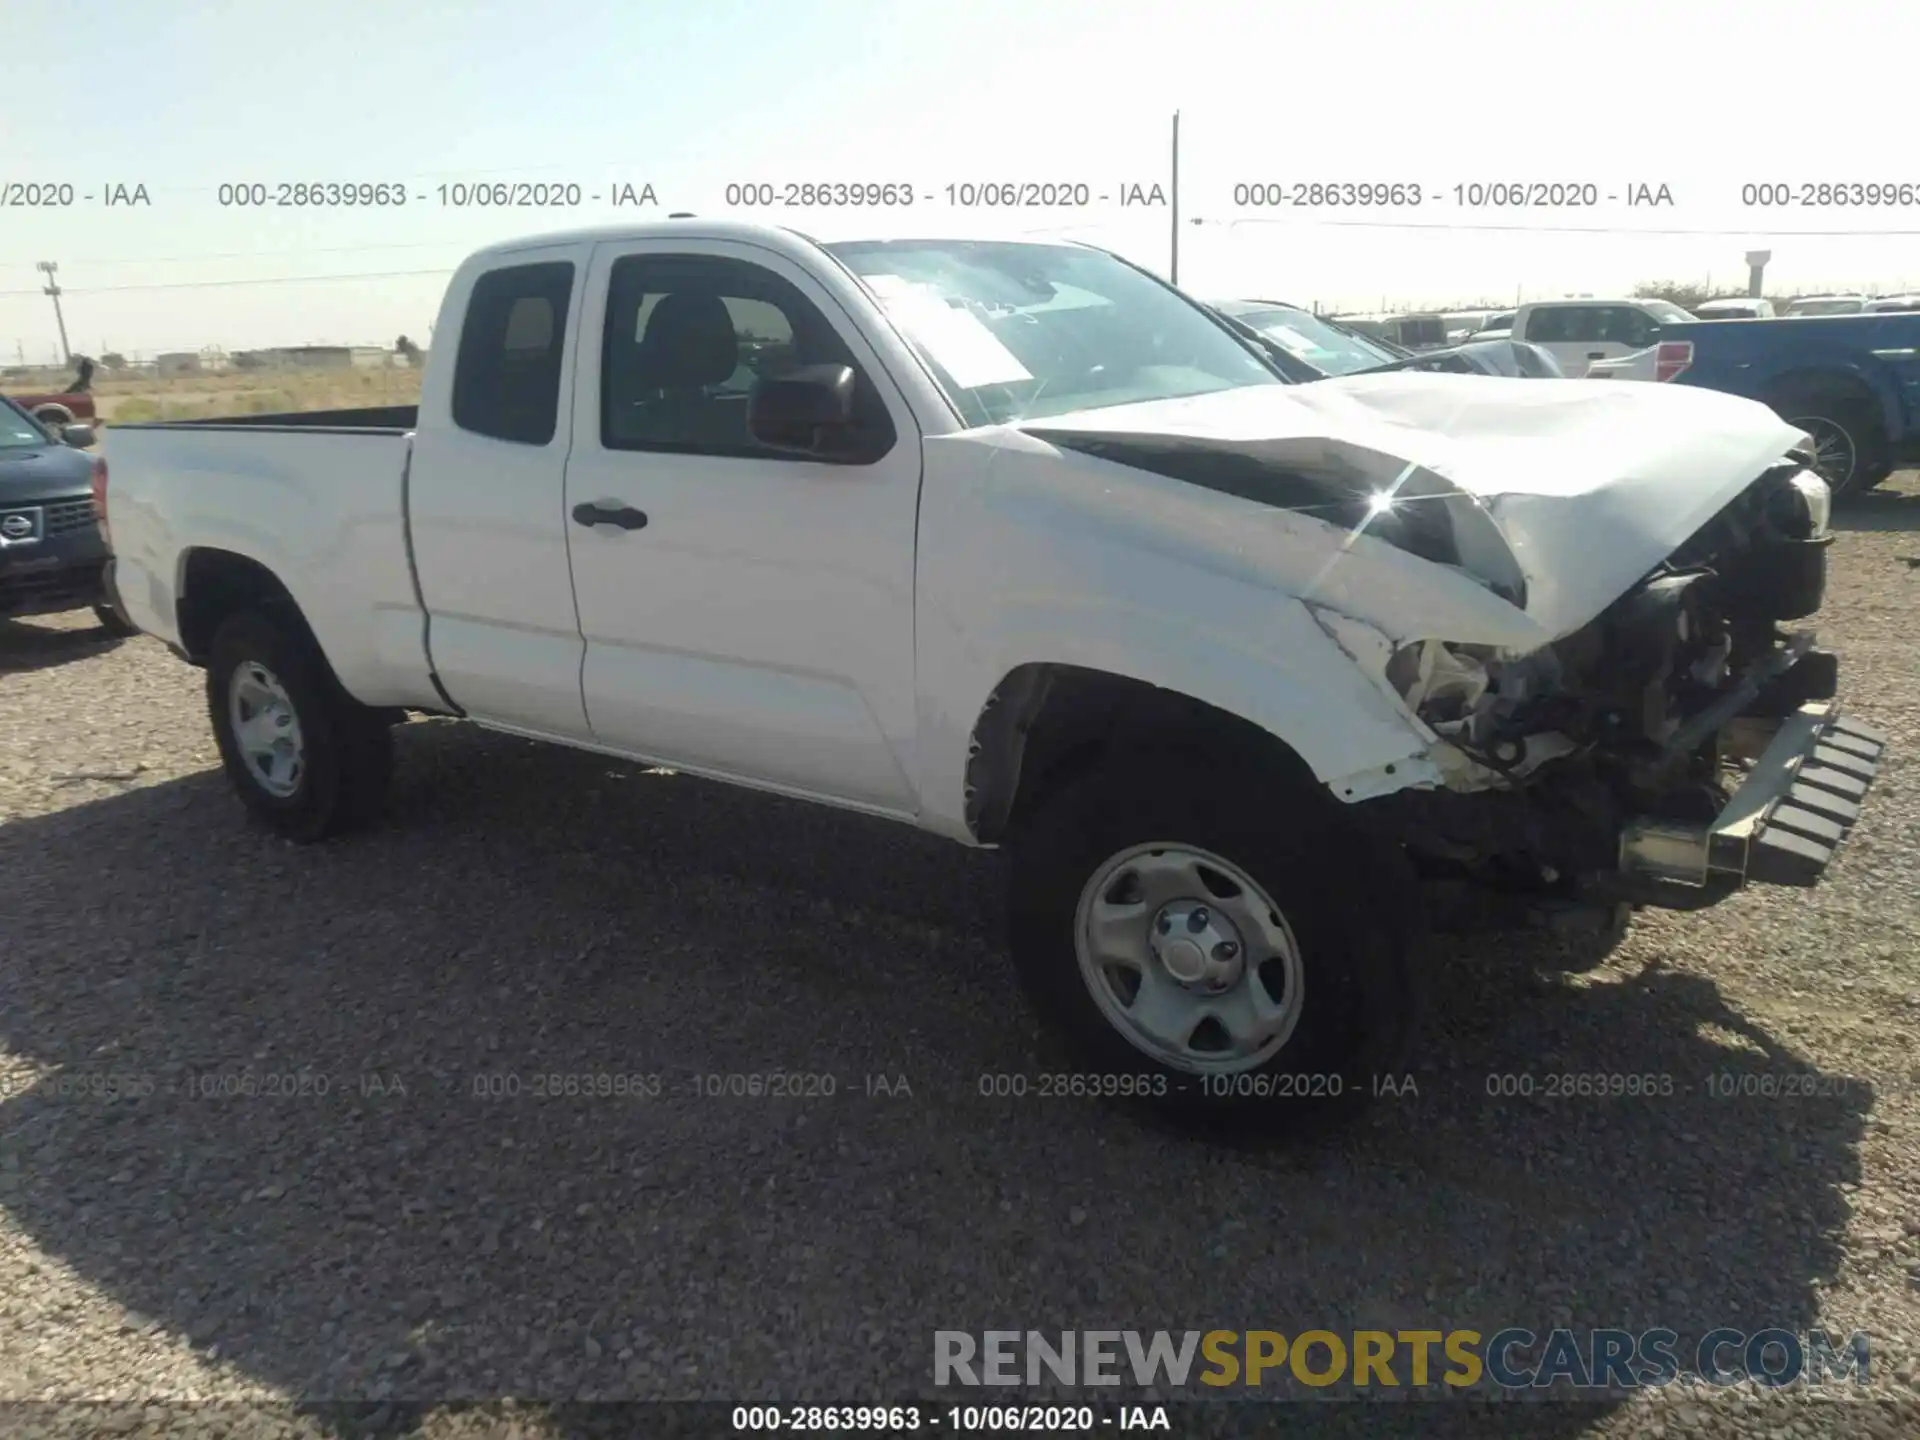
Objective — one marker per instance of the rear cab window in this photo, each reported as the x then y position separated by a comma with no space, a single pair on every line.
506,376
1419,330
1564,325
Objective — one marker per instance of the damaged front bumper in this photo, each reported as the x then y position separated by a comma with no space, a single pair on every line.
1782,826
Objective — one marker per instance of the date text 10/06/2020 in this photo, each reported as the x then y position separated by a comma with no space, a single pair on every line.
961,1419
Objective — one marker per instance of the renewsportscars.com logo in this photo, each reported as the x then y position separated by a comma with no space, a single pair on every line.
1371,1360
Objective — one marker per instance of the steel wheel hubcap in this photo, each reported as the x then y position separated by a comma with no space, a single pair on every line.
1833,453
266,729
1189,959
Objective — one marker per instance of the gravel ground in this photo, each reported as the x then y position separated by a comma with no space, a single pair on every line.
403,1241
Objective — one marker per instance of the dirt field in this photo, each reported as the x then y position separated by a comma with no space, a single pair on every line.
424,1230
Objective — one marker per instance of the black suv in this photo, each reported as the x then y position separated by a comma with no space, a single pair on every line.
52,554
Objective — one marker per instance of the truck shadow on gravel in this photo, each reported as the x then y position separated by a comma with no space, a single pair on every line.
1879,511
25,646
398,1208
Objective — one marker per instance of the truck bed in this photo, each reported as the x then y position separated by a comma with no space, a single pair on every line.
319,499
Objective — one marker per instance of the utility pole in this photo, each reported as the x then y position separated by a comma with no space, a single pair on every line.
53,289
1174,269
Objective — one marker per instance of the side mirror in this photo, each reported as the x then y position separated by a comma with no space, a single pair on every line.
78,436
802,409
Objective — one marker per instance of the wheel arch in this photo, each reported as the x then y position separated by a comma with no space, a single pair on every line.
214,584
1844,382
1046,722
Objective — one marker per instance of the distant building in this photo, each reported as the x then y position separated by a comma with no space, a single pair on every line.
178,362
315,357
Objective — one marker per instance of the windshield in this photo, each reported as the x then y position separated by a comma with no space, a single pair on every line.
17,432
1302,333
1018,331
1825,307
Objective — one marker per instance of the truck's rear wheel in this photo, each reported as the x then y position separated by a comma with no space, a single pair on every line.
1850,446
306,758
1224,956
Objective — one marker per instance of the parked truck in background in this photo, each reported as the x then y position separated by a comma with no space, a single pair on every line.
1851,382
1016,543
1579,332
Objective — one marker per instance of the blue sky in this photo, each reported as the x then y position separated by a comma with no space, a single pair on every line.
183,96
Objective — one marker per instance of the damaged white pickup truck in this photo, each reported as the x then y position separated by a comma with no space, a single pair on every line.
1017,544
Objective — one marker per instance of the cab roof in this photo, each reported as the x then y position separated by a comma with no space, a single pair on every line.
784,239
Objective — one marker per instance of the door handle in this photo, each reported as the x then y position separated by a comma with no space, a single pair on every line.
610,512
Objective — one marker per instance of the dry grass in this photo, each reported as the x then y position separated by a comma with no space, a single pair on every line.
134,398
250,392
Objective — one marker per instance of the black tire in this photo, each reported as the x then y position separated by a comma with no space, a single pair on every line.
1856,430
1349,903
348,748
111,622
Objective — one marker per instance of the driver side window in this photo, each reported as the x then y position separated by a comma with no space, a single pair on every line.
687,338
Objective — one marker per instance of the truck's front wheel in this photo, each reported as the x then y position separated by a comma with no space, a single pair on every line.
306,758
1215,941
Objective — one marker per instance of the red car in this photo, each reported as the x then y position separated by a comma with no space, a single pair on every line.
56,410
74,403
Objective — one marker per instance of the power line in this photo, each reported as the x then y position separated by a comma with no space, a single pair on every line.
1545,229
1049,229
259,280
261,254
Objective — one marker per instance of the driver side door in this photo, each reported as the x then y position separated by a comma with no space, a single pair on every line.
746,613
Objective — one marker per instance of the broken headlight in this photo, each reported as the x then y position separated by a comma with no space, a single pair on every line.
1469,693
1800,507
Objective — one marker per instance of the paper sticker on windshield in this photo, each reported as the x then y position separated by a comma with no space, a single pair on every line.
957,339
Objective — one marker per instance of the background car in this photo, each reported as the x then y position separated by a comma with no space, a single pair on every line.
1328,346
1734,308
1307,347
53,555
1497,327
1582,330
1515,359
1827,305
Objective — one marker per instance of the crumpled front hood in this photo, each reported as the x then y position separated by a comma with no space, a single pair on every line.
1591,485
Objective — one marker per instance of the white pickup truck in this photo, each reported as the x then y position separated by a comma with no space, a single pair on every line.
1016,543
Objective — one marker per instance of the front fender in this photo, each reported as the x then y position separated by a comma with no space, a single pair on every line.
1295,682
